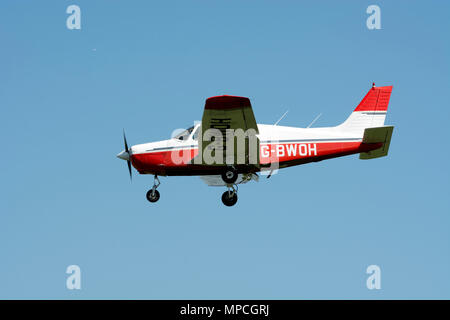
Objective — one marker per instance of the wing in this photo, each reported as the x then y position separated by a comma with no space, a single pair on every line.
217,181
221,114
235,112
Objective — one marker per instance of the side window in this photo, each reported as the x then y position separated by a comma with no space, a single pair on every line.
185,134
195,135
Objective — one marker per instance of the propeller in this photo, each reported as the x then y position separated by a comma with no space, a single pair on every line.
125,154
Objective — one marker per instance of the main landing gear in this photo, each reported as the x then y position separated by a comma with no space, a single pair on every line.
153,194
229,176
229,198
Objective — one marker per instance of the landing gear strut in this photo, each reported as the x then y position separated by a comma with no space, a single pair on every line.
153,194
229,198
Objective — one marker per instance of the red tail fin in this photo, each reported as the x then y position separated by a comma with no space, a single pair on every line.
377,99
371,111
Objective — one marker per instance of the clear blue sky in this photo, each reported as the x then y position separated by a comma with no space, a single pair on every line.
147,66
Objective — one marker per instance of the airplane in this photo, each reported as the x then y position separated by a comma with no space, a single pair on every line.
265,148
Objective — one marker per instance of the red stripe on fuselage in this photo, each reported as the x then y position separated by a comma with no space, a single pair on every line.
174,162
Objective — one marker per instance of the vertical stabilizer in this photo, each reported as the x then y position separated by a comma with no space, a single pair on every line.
371,111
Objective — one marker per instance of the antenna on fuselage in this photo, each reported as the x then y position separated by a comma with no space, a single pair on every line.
276,123
315,119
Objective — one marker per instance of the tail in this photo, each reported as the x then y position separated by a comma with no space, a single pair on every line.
371,111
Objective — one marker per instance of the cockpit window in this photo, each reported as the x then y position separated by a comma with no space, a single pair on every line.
185,134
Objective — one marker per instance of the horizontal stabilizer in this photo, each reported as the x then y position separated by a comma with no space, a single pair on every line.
377,135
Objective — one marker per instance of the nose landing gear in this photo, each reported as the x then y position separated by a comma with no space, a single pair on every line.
229,198
153,194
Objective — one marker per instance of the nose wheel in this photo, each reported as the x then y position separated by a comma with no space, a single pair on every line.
153,194
229,198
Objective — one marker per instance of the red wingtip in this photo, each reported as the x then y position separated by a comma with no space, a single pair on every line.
227,102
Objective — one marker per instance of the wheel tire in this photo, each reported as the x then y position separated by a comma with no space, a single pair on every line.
230,175
229,201
153,197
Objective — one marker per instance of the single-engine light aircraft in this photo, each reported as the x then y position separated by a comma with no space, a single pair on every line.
229,148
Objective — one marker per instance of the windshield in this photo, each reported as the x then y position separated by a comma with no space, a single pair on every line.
185,134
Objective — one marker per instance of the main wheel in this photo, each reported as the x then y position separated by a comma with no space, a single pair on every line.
152,196
230,175
228,200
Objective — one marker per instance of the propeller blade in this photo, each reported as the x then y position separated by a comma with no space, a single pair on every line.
127,150
125,140
129,170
